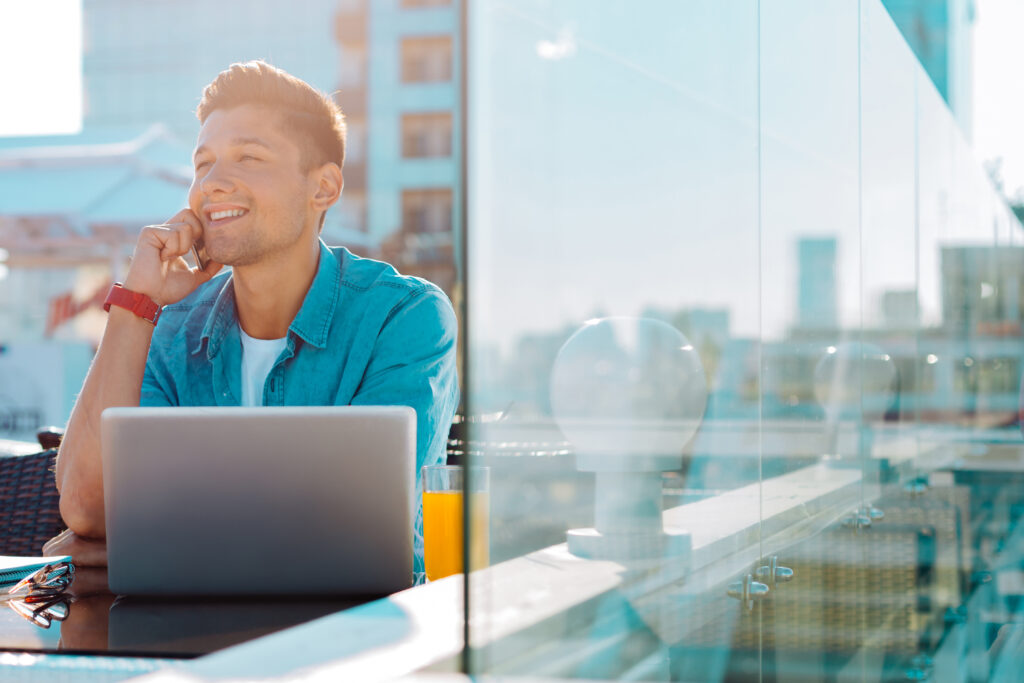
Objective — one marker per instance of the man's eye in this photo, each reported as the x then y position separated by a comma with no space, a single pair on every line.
249,157
201,165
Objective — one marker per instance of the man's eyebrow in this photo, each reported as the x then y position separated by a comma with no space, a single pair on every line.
237,142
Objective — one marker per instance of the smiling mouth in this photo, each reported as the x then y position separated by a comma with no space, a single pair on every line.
221,217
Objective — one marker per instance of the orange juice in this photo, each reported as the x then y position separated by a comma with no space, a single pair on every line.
442,532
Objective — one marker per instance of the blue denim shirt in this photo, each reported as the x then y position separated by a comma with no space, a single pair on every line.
365,335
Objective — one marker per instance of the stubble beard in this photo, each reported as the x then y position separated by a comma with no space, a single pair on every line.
247,249
244,250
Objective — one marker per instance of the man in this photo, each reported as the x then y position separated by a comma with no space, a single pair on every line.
294,323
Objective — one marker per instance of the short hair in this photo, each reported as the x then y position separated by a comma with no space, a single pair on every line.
316,119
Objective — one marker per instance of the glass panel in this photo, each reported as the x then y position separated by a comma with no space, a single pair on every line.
613,203
860,355
815,353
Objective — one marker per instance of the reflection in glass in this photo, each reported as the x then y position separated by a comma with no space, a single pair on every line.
628,393
780,184
855,383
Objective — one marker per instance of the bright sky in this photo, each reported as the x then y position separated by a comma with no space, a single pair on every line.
999,88
41,74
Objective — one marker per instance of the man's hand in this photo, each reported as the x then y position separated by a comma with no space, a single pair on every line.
84,552
158,267
115,378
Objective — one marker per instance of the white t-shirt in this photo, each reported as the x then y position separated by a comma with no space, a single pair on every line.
258,358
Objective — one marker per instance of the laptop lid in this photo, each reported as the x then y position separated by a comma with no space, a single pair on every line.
258,501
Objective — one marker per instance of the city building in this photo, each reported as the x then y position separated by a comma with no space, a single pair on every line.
940,34
71,212
817,293
900,309
982,291
146,62
399,61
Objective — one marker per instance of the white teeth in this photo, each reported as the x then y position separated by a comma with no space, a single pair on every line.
217,215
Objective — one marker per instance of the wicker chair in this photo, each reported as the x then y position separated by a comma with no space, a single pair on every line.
29,502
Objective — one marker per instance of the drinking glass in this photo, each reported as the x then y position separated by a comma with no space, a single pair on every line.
443,489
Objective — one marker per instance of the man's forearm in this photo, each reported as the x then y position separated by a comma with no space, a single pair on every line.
115,379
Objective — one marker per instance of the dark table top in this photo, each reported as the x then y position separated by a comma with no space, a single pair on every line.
101,623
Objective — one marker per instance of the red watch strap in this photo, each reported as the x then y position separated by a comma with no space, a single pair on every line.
136,302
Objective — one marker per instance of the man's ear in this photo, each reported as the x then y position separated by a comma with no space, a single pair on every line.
329,182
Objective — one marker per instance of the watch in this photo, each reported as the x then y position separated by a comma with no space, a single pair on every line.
136,302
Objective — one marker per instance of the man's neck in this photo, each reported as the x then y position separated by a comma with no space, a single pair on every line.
268,295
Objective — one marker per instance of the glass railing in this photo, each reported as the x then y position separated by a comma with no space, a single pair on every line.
744,330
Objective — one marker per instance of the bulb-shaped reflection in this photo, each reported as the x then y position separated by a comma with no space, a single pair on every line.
628,393
854,381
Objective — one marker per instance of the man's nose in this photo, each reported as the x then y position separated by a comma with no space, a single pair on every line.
216,179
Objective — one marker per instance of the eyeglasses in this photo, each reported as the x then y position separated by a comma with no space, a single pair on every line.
41,597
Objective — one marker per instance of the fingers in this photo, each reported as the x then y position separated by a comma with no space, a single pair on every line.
85,552
55,545
159,268
172,240
189,218
175,237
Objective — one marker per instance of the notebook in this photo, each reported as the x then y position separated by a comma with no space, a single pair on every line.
259,501
14,568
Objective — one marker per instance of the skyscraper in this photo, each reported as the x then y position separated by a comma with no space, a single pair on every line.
817,290
939,33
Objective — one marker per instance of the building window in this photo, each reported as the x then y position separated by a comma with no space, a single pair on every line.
427,135
413,4
427,210
427,59
352,211
355,141
352,65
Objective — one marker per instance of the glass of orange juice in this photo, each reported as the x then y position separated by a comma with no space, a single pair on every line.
443,528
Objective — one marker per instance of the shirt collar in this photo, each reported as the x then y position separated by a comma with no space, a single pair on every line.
221,319
311,323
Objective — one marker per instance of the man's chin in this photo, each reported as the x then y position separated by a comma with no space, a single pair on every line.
232,258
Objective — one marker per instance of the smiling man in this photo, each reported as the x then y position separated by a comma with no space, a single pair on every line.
294,322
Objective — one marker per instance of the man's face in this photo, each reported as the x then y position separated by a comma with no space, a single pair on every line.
249,190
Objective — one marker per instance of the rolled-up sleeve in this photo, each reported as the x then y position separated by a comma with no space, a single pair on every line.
157,383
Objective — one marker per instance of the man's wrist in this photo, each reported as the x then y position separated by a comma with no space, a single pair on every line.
142,305
132,284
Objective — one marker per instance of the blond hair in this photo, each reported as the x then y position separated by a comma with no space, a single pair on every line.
315,121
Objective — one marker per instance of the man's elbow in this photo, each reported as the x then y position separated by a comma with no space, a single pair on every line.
83,514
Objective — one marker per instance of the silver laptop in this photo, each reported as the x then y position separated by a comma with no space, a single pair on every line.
259,501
